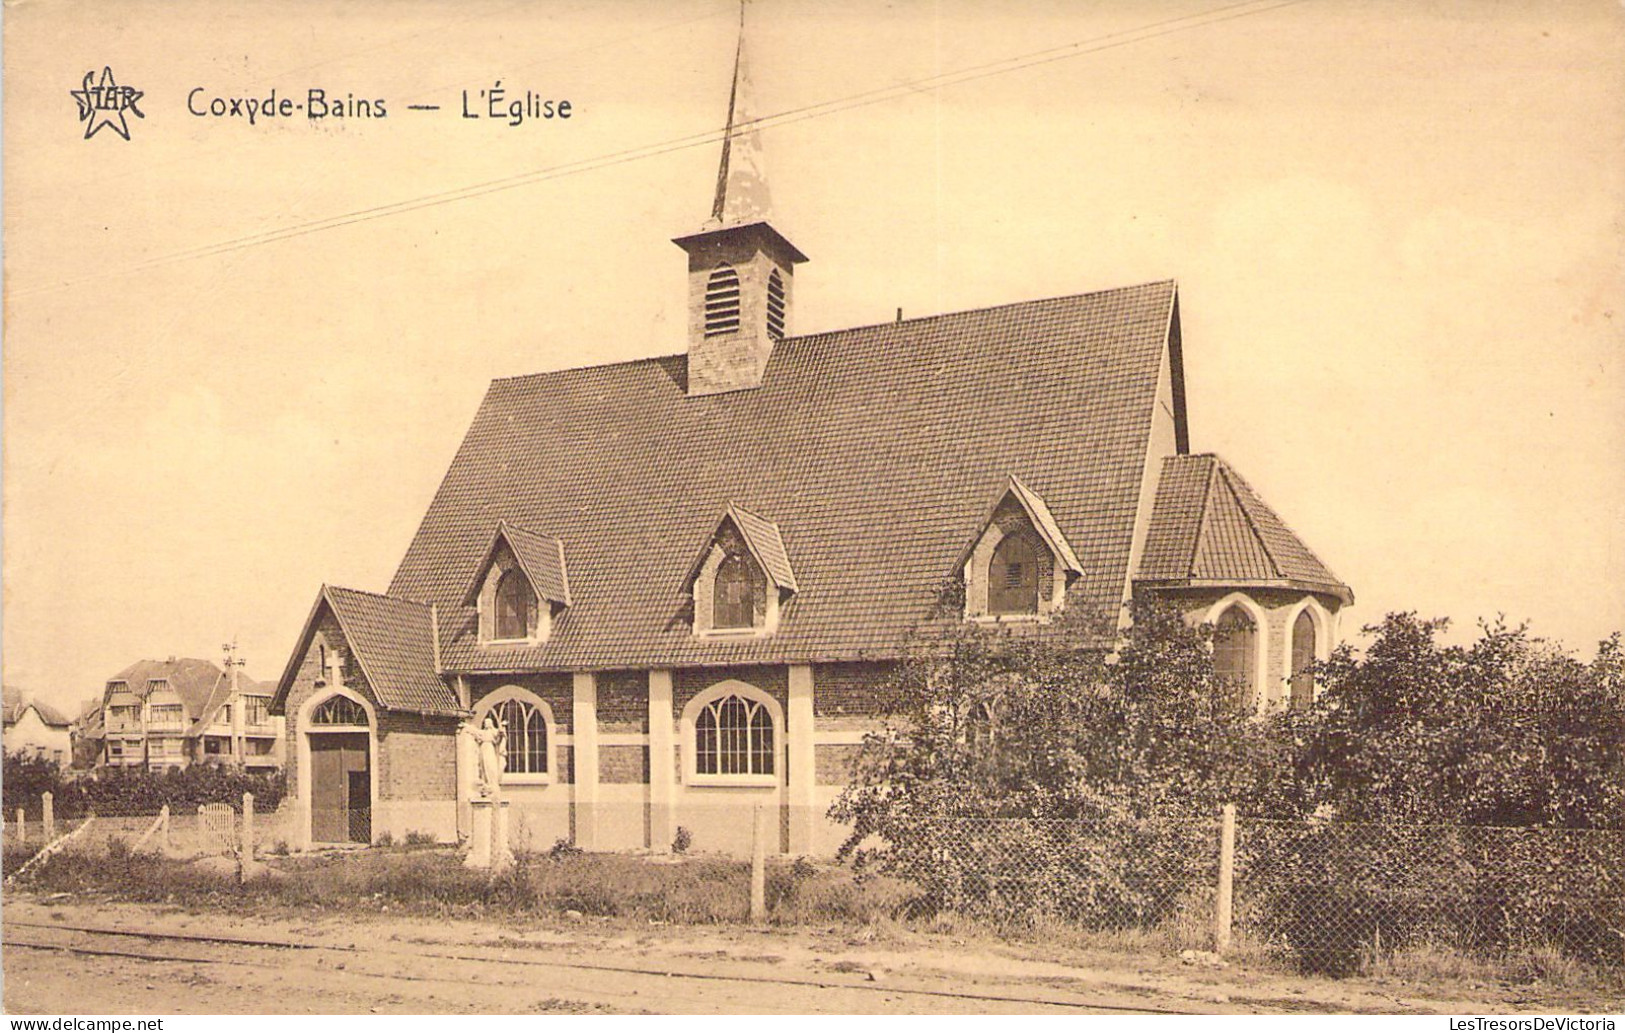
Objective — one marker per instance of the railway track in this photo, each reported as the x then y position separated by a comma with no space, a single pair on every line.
612,983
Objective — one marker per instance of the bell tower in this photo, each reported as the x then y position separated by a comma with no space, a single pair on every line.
741,270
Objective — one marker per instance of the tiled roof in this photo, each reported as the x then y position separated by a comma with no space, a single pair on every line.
540,556
48,714
191,679
393,641
874,450
222,695
1209,527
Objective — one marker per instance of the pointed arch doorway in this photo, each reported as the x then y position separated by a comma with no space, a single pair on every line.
339,737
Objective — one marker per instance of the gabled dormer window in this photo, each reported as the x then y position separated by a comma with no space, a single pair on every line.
1019,565
742,577
520,587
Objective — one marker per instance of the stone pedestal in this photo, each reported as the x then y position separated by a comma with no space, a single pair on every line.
488,835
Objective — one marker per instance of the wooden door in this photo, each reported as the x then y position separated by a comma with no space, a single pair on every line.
336,793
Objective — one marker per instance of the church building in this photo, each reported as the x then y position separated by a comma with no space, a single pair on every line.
679,582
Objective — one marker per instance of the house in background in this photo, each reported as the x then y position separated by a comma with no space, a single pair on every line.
161,714
681,583
36,729
87,734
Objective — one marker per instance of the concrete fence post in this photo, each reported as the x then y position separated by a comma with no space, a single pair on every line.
22,827
758,867
1227,873
48,816
163,827
248,826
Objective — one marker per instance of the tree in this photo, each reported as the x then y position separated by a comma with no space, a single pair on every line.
1509,730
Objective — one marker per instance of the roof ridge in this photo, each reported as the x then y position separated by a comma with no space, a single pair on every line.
1171,281
793,339
1252,493
377,595
1247,515
1201,518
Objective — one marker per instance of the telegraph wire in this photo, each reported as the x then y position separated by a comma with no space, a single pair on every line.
1092,45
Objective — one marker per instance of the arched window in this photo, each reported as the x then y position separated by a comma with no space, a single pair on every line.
722,301
733,602
339,710
1235,653
515,606
775,305
526,737
1303,657
979,726
1012,576
733,736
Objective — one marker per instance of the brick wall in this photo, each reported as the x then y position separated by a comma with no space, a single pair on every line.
858,689
690,682
417,757
623,701
554,689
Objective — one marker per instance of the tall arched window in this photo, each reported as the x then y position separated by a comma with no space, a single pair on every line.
722,301
339,710
1012,576
775,305
979,727
733,603
733,736
515,606
1235,641
526,737
1303,656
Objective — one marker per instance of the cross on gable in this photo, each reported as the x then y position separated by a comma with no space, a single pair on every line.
333,660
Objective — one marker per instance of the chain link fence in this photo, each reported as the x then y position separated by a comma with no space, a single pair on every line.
1148,875
1324,896
185,829
1336,896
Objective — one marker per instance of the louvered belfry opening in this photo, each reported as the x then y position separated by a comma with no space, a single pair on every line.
775,306
722,302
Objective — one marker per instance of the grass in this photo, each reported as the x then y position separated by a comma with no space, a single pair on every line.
430,881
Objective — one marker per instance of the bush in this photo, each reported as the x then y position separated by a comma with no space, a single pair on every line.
130,792
682,841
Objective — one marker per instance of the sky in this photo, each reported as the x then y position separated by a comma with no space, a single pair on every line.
239,357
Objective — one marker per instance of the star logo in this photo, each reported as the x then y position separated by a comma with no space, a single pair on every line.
104,104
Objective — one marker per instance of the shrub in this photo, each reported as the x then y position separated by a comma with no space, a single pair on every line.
682,841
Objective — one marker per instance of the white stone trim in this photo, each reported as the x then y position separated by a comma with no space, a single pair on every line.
662,740
489,702
584,757
1323,641
303,747
691,711
1261,627
801,771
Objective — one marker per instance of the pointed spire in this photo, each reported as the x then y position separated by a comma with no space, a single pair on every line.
741,194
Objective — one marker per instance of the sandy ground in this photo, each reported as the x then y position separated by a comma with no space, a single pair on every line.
334,964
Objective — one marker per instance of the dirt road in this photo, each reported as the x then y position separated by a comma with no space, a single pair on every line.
83,957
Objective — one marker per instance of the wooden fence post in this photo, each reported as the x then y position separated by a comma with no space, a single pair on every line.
22,827
48,816
1227,873
163,827
248,826
758,867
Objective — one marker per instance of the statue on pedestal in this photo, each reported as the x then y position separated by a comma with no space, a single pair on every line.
490,740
